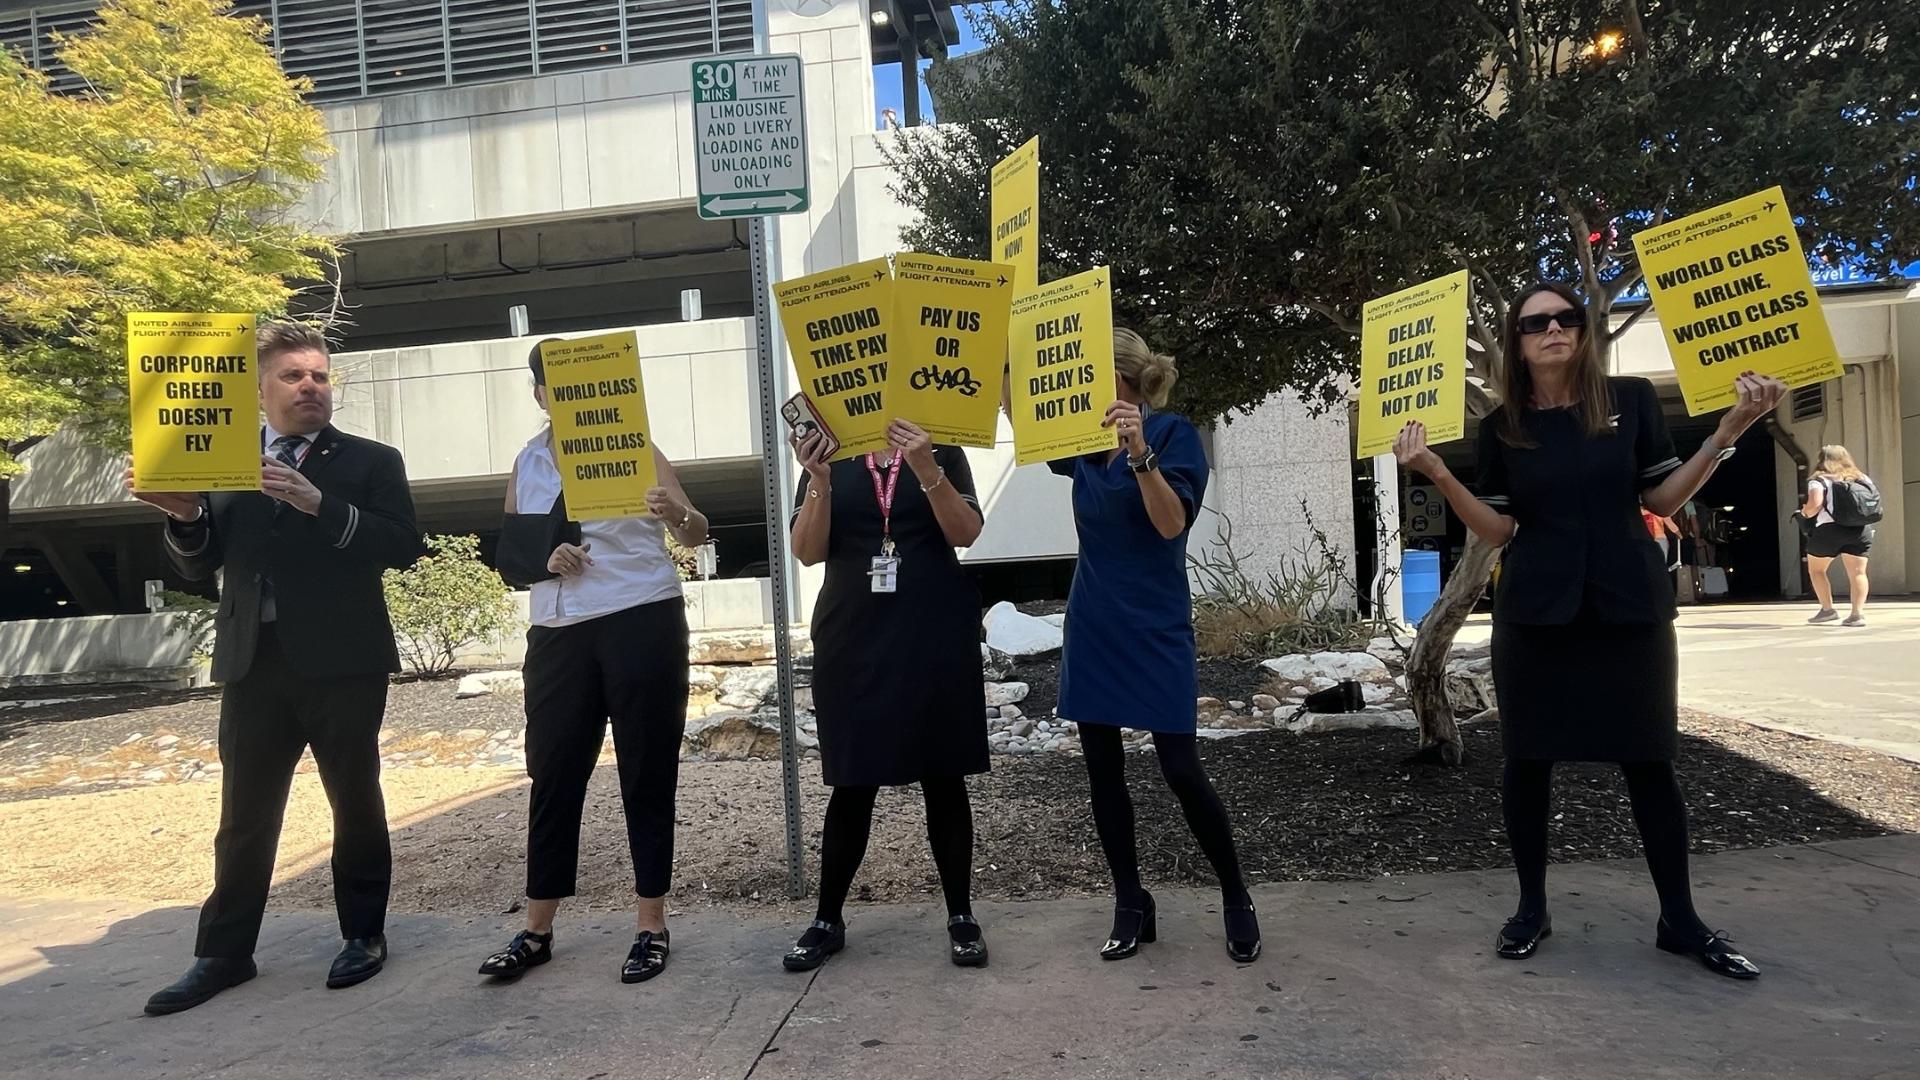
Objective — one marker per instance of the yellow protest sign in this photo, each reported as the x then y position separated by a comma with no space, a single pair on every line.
195,400
1413,364
949,346
598,406
836,324
1060,342
1734,294
1016,214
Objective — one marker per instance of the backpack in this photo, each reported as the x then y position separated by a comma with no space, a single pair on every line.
1853,503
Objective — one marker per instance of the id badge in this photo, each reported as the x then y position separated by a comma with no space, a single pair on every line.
885,573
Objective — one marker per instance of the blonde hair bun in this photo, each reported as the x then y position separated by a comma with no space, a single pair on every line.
1151,373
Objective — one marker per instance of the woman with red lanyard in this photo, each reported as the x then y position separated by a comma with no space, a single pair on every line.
896,663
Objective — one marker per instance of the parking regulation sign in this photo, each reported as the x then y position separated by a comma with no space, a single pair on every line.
750,136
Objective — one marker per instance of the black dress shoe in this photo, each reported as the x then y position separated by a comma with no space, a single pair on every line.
966,953
1132,927
647,958
1711,949
1243,934
821,940
1521,937
208,976
360,960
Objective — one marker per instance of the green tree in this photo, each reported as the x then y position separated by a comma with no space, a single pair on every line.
165,183
447,601
1255,171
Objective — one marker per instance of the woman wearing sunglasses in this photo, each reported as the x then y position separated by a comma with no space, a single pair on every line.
1584,659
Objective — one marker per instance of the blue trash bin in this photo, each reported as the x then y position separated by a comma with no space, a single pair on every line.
1419,583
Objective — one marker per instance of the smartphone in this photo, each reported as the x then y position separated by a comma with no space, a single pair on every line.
805,420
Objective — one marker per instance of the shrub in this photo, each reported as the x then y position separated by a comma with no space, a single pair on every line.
193,616
1303,607
447,601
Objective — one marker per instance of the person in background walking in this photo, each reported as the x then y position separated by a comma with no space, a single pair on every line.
1842,529
1585,662
608,642
1129,659
303,648
896,680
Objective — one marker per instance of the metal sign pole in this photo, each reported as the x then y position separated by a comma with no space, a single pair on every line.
772,383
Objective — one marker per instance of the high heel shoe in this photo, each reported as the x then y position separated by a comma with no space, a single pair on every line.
1126,940
1521,936
1711,949
1243,940
971,953
821,940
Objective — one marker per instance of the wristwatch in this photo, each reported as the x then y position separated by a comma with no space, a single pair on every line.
1146,464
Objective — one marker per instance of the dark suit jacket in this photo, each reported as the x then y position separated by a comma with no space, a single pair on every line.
1582,548
331,616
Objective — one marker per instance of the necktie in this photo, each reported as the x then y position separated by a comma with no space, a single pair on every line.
287,449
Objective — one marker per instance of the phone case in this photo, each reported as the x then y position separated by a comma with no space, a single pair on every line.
799,413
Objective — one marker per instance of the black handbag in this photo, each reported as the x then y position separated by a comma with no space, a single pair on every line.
527,541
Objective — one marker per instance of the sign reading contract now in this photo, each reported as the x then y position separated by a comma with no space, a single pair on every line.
750,136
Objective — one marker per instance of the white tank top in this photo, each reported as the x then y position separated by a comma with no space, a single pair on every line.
630,562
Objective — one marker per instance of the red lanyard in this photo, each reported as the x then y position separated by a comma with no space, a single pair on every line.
885,495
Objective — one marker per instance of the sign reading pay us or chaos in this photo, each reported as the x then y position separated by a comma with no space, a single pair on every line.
1413,364
194,391
949,346
1734,294
1060,344
598,407
837,324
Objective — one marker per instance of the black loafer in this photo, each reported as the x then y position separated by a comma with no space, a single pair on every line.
966,953
1521,937
647,958
360,960
1132,927
821,940
208,976
1712,950
1243,933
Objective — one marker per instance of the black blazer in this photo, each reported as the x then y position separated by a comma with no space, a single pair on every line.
330,614
1582,545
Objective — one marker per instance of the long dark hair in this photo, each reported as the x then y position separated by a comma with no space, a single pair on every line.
1595,407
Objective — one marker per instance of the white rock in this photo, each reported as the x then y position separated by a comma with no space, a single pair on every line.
1021,729
702,678
1332,666
1309,723
1484,716
995,666
1237,706
1059,619
1006,693
482,683
995,714
1013,712
1320,682
1265,702
1018,635
152,775
1374,693
165,741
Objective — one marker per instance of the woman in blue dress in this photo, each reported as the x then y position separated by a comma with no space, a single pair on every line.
1130,658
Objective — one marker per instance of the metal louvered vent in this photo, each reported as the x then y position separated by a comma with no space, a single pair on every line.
1809,402
357,48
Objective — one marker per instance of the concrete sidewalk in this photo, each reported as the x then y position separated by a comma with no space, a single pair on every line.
1392,978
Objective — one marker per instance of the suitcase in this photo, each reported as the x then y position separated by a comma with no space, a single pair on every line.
1713,581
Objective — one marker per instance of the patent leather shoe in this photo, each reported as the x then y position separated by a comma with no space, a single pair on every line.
821,940
1711,949
1132,927
966,953
1243,934
360,960
647,958
208,976
1520,938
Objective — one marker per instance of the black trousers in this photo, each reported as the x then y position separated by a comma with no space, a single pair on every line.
629,667
267,718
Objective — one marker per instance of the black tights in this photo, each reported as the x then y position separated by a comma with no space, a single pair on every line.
1113,809
1658,809
843,843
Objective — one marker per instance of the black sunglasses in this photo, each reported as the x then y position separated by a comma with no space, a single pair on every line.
1569,319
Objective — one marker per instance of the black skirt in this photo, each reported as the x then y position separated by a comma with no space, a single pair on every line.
1587,690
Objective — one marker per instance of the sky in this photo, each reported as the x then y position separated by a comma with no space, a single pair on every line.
886,77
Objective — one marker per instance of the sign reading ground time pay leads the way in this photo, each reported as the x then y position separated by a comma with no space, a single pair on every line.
750,136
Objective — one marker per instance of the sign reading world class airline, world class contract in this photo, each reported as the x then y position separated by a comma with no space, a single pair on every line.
750,136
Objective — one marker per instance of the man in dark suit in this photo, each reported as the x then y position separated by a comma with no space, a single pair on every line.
303,647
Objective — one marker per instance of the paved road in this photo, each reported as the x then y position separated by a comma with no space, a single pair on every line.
1762,662
1385,979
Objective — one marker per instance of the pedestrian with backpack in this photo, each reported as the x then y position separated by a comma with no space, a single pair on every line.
1842,506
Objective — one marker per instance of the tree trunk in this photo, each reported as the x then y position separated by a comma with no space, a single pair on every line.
1427,666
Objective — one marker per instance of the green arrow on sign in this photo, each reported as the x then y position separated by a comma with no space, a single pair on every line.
744,204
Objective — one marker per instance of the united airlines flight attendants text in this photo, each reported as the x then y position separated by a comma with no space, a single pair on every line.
1584,658
608,644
